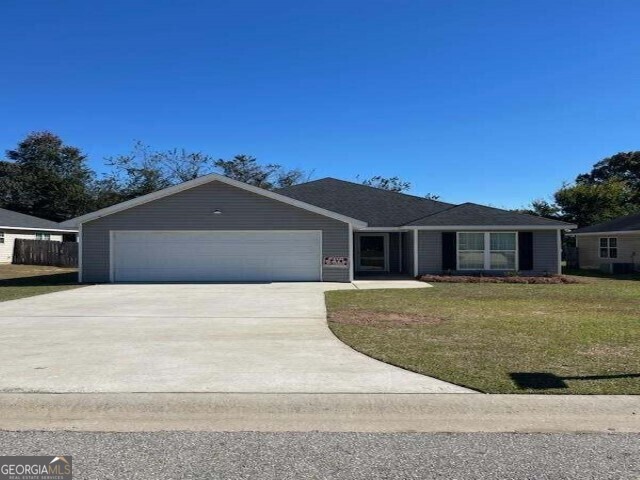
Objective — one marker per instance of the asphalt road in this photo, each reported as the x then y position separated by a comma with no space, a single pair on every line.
200,455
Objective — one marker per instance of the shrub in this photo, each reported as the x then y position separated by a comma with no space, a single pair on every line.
546,280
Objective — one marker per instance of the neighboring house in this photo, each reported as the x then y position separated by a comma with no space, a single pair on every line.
18,225
217,229
616,242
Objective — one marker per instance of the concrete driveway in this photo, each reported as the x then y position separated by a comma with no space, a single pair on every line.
267,338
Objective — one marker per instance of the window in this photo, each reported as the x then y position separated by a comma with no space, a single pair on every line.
42,236
487,251
1,237
503,251
608,247
471,251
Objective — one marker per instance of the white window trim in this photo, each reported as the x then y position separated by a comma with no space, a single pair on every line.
385,236
608,248
43,234
2,239
486,253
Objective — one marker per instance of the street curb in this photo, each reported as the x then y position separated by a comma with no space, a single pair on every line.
131,412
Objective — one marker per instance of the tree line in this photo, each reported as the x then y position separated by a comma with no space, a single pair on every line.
44,177
609,190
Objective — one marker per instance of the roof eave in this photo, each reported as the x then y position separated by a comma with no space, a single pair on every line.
41,229
490,227
606,232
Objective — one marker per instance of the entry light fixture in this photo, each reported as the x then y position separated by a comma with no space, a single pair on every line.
217,212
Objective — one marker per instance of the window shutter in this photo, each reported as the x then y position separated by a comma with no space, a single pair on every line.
449,250
525,250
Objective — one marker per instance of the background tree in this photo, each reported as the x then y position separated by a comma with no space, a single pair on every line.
542,208
611,189
144,170
624,166
587,204
46,178
246,168
393,184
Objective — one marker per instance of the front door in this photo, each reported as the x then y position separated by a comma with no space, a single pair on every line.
372,252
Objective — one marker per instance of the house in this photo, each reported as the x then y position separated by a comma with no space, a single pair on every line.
613,246
214,228
18,225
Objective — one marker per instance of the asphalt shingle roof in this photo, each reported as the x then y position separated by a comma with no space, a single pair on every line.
382,208
622,224
9,218
472,214
377,207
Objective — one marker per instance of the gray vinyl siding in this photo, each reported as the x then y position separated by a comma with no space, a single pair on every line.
429,252
192,210
545,252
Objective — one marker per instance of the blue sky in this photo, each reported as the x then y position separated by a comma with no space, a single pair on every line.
496,102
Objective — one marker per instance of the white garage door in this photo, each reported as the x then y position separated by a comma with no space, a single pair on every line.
205,256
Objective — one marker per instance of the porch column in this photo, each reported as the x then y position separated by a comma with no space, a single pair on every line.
559,246
351,255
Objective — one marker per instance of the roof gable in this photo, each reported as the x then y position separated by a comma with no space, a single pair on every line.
377,207
201,181
629,223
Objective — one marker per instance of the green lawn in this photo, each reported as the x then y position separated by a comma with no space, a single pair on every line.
497,338
18,281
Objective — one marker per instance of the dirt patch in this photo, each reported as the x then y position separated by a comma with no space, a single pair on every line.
382,319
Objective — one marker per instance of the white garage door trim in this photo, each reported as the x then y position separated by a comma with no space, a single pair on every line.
113,233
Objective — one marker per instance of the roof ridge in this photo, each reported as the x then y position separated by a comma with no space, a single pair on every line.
369,186
518,212
432,214
551,221
303,183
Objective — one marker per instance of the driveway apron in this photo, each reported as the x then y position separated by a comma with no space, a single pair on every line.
263,338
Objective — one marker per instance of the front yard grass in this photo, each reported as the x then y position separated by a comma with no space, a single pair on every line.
18,281
498,338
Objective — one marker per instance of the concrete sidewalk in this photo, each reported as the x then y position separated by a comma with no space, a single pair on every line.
320,412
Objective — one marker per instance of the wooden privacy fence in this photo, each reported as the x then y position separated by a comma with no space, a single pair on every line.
45,252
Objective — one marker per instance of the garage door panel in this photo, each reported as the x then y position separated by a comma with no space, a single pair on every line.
216,256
